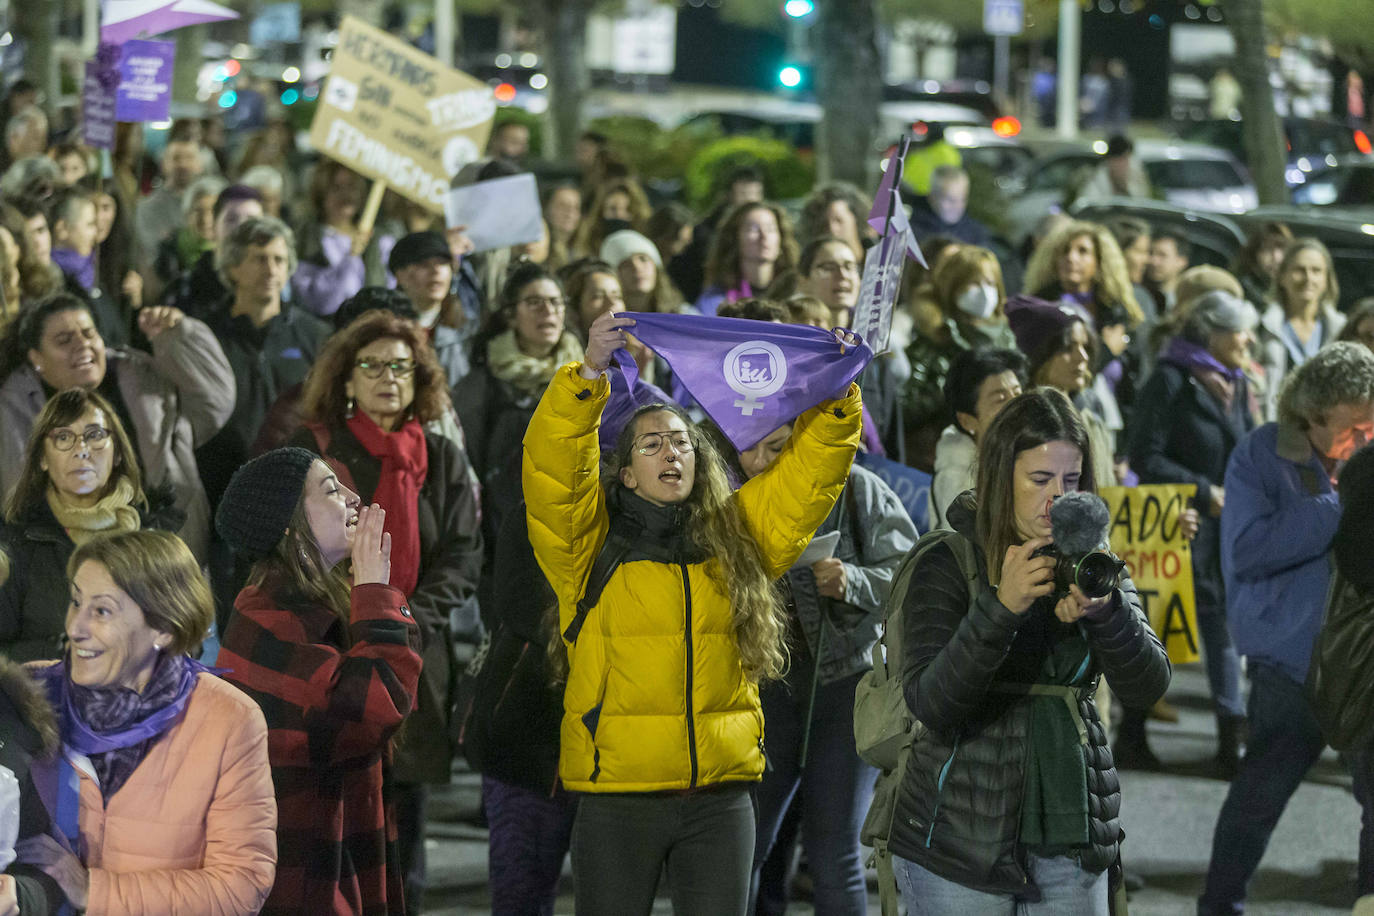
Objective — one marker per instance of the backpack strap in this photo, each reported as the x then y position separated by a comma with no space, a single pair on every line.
613,553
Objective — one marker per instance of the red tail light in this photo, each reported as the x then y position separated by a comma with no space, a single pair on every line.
1006,126
1362,142
504,93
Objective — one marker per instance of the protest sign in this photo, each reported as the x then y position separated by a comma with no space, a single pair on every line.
145,80
497,213
911,486
882,275
98,100
399,116
1146,534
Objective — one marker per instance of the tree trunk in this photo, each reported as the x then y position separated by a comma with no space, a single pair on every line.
849,85
186,67
565,35
1263,138
38,27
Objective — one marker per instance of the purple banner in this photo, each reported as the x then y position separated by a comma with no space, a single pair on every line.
98,105
751,376
145,80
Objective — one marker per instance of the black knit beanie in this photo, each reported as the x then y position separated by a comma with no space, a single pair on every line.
1355,531
261,497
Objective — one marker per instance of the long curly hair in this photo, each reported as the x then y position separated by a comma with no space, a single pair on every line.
323,399
716,525
722,263
1111,286
591,232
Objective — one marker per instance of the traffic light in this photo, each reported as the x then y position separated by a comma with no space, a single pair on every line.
798,8
790,76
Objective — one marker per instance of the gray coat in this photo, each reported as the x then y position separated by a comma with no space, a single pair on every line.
178,398
869,511
1273,352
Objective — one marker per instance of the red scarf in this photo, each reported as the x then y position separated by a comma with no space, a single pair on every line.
405,463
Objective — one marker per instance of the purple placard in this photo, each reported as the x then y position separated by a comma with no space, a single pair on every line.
145,80
98,107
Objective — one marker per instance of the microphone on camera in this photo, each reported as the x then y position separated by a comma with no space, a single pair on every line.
1080,522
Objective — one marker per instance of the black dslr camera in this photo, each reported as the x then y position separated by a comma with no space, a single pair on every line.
1096,573
1080,523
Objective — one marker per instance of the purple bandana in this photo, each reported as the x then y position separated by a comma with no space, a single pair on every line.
80,269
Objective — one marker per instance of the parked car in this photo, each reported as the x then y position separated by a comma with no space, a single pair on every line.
1347,233
1348,183
1311,142
1215,238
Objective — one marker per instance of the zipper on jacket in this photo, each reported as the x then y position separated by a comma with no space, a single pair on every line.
940,791
691,720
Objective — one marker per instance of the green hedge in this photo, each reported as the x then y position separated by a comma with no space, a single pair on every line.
786,175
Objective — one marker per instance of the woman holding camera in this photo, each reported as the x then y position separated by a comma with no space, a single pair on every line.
1010,802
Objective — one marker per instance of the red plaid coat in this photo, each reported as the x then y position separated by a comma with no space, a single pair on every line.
330,714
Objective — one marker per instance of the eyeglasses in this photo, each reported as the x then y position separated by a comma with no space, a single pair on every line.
93,437
540,303
400,368
651,444
837,267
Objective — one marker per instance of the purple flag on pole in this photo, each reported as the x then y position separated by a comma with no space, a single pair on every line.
751,376
98,98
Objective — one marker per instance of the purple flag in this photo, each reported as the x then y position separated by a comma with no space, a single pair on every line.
121,20
888,216
145,80
751,376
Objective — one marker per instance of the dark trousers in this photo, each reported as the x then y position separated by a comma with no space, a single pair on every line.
1285,740
412,802
834,787
621,843
529,836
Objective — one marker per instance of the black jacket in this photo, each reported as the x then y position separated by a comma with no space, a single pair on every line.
28,734
266,361
1181,433
926,222
959,806
450,560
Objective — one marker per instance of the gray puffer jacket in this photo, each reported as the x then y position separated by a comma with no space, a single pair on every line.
875,534
959,807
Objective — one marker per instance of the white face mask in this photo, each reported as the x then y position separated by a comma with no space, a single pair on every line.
978,301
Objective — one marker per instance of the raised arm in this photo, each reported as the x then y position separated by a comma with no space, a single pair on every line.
564,501
785,504
187,355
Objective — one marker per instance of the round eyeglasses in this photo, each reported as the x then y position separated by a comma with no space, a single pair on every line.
400,368
651,444
93,437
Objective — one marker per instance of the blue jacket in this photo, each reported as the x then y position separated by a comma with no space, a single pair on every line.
1276,530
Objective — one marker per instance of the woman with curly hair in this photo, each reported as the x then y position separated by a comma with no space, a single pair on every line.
365,402
662,730
753,244
837,209
617,201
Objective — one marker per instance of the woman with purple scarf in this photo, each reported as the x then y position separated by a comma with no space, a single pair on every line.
1191,413
161,798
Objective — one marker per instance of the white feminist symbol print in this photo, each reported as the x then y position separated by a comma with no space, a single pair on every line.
755,370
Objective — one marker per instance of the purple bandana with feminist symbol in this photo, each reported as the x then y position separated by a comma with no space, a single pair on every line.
750,376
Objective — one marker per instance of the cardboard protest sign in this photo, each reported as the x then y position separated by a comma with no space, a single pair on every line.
399,116
1146,534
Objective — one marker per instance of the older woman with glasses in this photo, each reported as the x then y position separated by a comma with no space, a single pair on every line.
365,402
80,479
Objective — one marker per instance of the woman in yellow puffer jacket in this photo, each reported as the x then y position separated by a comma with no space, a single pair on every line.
662,728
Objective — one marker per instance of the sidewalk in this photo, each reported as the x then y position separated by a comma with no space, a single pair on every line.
1168,818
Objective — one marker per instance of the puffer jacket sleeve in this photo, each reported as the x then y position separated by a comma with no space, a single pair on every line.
190,358
785,504
952,648
565,504
240,842
1127,651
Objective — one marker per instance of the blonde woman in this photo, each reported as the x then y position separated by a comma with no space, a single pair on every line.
662,729
1301,317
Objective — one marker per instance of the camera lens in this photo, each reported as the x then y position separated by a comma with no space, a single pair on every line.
1096,574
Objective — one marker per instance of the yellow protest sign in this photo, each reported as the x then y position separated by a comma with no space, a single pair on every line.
399,116
1146,534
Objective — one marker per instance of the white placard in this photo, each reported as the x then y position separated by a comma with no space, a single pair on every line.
498,213
822,547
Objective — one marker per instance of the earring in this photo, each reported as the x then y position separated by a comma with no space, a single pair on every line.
348,411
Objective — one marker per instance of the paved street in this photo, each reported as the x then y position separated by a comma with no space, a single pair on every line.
1309,870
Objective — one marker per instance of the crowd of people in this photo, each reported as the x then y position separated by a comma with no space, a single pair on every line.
272,475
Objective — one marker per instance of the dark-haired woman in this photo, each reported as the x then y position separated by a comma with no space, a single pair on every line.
1010,803
662,729
514,358
366,399
334,665
79,479
753,245
169,402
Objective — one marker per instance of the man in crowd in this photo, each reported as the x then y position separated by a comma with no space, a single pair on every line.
26,133
160,213
944,211
270,346
1277,525
1169,254
509,141
1118,175
200,292
422,264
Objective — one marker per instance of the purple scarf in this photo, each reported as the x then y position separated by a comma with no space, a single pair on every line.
114,726
73,265
1197,358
